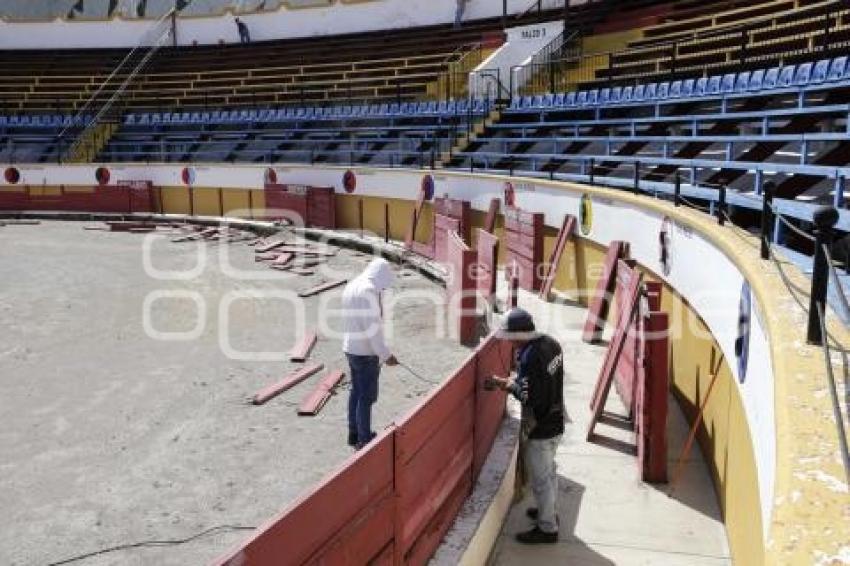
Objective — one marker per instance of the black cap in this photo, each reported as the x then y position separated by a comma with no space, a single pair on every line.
517,325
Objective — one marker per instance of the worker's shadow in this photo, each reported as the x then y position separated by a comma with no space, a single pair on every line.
570,549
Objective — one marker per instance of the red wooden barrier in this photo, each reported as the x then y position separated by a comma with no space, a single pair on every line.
606,374
487,248
524,240
597,314
652,400
444,226
567,229
306,206
460,210
393,501
137,197
461,289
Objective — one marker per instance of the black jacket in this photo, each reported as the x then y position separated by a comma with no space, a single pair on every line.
540,387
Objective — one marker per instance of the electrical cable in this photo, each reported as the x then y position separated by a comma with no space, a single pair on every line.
150,543
417,375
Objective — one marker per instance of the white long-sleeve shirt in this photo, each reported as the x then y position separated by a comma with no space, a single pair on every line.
362,317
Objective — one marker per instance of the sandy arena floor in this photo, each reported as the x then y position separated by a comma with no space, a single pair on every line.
110,436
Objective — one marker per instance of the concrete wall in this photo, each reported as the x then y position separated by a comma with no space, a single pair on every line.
340,18
767,434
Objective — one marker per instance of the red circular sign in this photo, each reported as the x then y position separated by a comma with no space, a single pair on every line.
271,176
509,194
12,175
188,176
102,175
349,181
428,187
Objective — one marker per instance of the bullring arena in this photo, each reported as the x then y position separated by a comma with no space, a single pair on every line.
184,201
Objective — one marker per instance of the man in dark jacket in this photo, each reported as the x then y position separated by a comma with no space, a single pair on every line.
539,388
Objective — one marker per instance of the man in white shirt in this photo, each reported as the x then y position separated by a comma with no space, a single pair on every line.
364,346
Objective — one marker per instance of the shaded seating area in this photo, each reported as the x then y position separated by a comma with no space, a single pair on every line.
406,134
783,124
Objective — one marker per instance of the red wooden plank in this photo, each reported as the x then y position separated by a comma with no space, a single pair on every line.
269,246
443,227
301,350
487,248
461,289
420,423
431,538
326,286
597,314
606,374
282,259
567,229
652,400
306,250
494,358
291,380
490,219
316,399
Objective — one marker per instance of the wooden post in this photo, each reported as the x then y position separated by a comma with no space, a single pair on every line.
360,215
386,222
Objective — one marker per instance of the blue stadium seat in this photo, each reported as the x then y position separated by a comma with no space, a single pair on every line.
651,92
786,76
803,74
688,88
727,83
675,89
570,99
742,82
430,109
756,80
537,101
167,118
820,71
701,86
559,100
627,94
130,119
480,106
195,118
639,93
616,94
771,78
185,117
663,91
156,118
548,101
713,86
604,96
581,98
837,68
3,121
462,106
592,97
205,118
443,107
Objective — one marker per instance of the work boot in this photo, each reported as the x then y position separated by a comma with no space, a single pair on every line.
536,536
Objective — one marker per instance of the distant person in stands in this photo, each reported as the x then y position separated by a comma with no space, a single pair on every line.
244,34
461,7
539,387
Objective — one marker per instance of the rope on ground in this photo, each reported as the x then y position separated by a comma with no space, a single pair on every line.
793,228
147,543
413,372
692,204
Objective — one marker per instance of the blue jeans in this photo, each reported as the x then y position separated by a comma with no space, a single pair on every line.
364,392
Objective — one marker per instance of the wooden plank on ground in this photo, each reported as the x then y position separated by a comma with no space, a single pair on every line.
283,259
271,391
301,350
316,399
321,288
269,246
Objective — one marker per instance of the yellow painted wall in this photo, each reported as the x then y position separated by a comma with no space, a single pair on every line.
175,200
